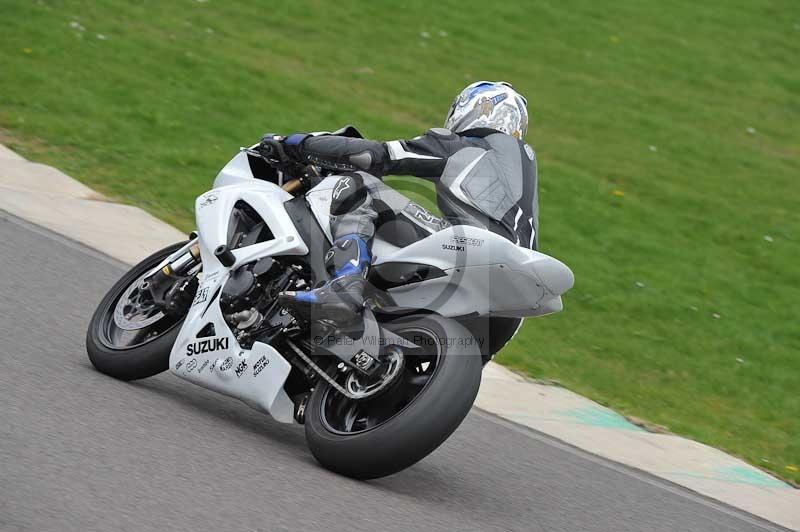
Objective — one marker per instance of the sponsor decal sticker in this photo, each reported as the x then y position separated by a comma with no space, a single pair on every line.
206,346
201,296
191,364
227,364
453,247
424,215
341,186
529,152
209,199
419,213
207,277
466,241
260,364
200,370
240,368
179,364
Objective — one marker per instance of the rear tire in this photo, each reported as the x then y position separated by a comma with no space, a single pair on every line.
418,427
145,360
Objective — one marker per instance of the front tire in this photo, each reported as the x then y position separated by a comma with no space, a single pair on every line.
132,354
366,446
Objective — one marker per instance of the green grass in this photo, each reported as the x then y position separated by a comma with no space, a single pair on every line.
152,112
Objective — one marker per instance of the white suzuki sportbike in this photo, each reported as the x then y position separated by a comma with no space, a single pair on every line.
375,397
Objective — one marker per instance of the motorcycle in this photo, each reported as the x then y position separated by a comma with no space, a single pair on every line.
375,396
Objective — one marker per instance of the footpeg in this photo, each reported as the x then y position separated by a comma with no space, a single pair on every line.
300,409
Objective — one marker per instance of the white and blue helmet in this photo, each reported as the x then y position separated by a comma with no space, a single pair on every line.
490,104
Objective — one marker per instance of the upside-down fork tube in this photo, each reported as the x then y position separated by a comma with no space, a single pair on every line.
292,186
184,263
181,267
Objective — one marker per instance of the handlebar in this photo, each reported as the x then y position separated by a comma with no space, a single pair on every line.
269,150
300,177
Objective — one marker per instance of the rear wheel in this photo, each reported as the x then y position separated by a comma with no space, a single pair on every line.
376,437
129,337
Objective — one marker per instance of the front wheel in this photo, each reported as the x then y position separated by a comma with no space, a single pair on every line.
129,337
374,438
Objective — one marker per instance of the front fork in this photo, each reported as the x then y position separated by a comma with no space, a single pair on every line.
173,287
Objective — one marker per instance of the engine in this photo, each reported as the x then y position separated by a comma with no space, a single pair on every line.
241,289
248,299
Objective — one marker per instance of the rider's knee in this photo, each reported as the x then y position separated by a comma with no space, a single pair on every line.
348,194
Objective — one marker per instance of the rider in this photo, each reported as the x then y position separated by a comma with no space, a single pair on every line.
485,175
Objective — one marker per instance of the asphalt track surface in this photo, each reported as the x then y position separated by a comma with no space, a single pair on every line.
81,451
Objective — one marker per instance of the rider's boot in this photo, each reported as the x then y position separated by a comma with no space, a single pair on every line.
341,299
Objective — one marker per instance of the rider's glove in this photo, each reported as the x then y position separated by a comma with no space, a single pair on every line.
283,151
292,145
